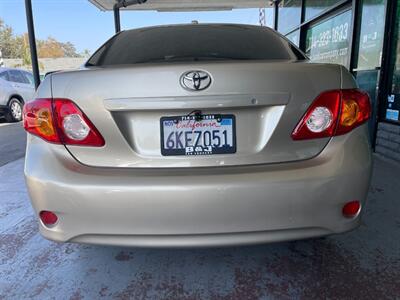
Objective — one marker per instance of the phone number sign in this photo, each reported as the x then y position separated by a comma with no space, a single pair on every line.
329,41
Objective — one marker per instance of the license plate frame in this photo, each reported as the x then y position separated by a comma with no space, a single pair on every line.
220,119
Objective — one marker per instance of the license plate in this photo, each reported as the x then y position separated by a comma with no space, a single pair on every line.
191,135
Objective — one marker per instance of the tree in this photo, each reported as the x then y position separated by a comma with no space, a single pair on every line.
50,48
85,53
69,49
17,46
25,54
25,51
8,43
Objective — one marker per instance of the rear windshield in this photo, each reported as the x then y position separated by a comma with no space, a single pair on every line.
194,43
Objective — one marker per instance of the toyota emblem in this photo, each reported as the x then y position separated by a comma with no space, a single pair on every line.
195,80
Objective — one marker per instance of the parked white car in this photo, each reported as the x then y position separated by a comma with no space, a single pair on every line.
16,87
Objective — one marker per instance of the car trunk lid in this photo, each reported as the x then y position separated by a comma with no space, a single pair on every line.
126,104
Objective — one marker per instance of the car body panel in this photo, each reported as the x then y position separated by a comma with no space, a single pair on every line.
6,91
9,89
126,193
267,98
184,208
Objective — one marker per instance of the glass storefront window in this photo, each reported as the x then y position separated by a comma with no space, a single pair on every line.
392,112
289,15
314,7
371,35
367,80
329,41
370,42
294,37
269,17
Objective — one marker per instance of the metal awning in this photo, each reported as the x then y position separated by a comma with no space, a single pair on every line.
184,5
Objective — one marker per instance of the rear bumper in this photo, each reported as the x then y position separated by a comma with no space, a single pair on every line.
199,207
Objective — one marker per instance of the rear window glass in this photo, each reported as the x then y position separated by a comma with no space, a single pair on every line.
194,43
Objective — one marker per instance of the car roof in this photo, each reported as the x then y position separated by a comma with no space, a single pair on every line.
210,25
8,69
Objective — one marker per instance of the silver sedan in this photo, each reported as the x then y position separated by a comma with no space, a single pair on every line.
16,87
197,135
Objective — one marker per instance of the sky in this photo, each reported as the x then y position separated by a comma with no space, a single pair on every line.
83,24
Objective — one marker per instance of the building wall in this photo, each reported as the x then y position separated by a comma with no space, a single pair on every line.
388,141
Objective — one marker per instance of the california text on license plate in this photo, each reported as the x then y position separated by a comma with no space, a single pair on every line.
191,135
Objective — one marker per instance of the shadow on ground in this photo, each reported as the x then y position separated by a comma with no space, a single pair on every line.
363,264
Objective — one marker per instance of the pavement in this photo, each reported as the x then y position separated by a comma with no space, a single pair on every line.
362,264
12,141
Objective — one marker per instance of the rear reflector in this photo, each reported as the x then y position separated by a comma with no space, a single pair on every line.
48,218
351,209
333,113
60,121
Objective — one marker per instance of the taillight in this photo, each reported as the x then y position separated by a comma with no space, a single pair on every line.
73,125
356,110
38,120
333,113
60,121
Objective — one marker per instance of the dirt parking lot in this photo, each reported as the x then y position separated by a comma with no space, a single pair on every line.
363,264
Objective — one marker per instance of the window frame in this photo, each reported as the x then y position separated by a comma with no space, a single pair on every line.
290,29
322,15
328,8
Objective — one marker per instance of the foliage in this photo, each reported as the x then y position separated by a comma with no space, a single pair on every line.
17,46
10,44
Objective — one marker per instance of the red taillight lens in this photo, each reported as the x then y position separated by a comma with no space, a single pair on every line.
73,125
38,120
326,102
60,121
333,113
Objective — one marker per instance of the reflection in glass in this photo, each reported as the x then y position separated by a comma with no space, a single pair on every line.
396,58
371,35
392,111
294,37
314,7
329,41
368,81
269,17
289,15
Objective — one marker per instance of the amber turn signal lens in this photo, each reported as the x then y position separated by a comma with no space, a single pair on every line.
44,122
38,120
350,111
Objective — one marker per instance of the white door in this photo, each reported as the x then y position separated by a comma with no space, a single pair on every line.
21,84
